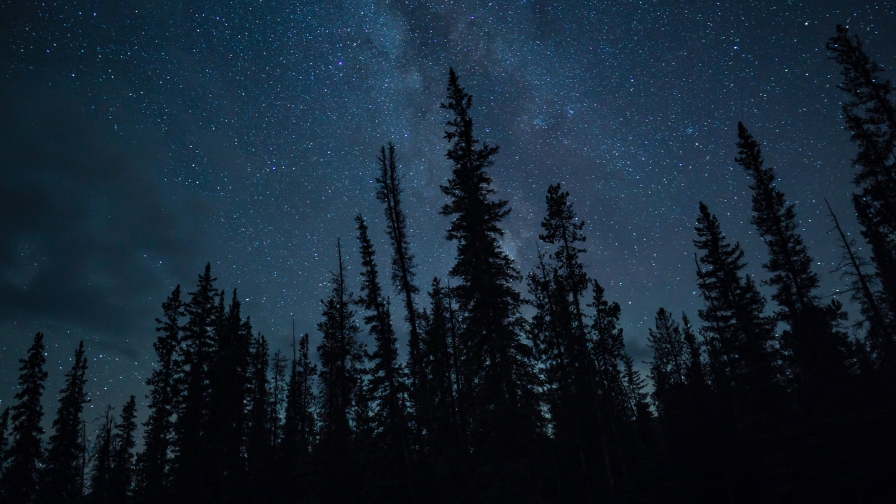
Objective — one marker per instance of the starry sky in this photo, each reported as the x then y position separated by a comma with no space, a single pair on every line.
140,140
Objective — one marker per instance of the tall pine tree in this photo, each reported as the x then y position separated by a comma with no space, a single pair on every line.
62,470
818,350
19,481
496,363
389,194
153,463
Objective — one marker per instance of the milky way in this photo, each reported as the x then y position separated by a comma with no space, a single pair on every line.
141,141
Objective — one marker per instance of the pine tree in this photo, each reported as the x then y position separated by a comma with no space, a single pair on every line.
739,333
870,116
342,367
504,409
153,463
121,477
388,378
61,472
669,367
101,477
19,481
191,465
818,349
4,441
259,450
389,194
438,410
299,424
278,399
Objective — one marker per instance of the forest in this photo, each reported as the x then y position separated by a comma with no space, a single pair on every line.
786,399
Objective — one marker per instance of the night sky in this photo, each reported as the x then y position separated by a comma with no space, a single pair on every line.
139,141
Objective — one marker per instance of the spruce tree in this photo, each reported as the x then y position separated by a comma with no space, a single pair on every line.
299,424
389,194
19,483
388,378
496,362
194,472
818,350
4,441
121,477
259,448
870,116
101,477
61,472
342,367
740,334
669,367
153,463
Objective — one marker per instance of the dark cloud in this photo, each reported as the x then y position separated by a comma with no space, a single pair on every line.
89,229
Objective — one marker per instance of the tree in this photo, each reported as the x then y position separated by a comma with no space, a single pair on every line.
299,423
19,481
389,194
669,367
818,349
342,367
62,470
191,465
870,116
121,477
739,333
388,378
153,463
4,441
100,479
496,363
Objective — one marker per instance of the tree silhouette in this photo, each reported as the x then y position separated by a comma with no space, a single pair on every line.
19,482
496,363
870,116
389,194
153,463
121,477
818,350
342,365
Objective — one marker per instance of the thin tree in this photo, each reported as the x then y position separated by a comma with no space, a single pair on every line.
388,378
153,463
62,470
818,349
870,116
121,477
389,194
19,481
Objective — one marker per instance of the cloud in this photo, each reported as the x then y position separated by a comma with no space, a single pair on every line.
89,230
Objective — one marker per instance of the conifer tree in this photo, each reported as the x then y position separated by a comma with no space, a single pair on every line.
299,425
438,410
342,367
496,362
101,477
389,194
259,448
4,442
669,367
278,398
192,467
818,350
61,472
388,378
740,335
19,481
121,477
870,116
153,463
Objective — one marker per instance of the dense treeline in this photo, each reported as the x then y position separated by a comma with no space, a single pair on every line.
751,404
